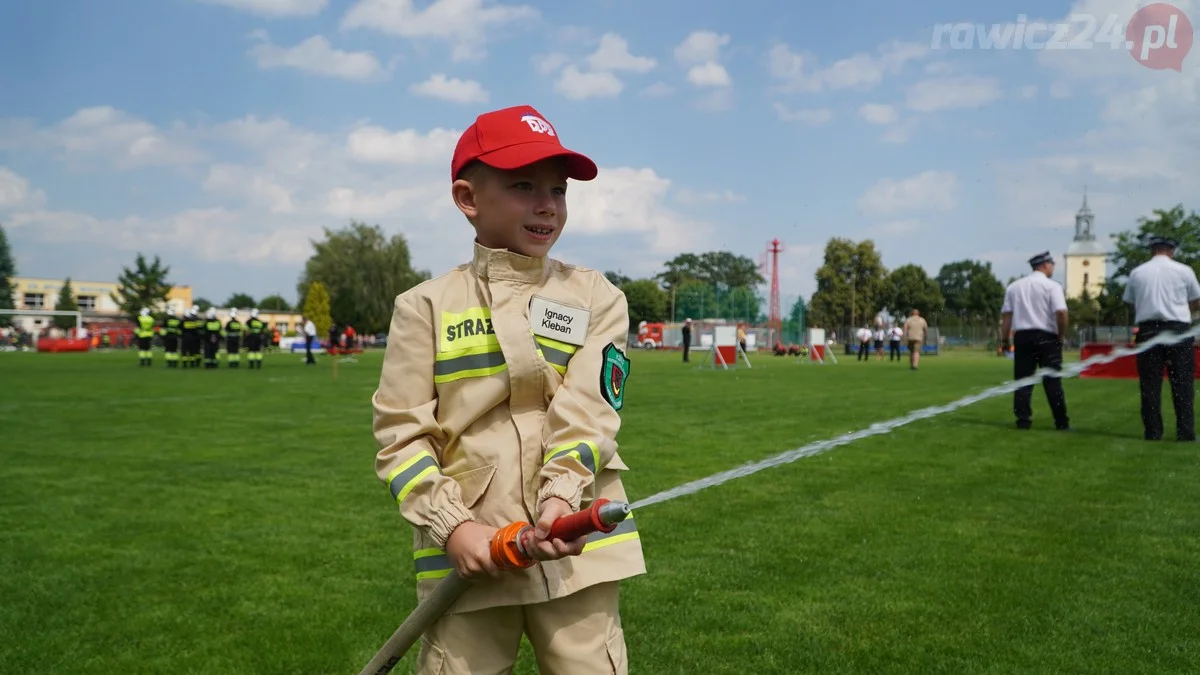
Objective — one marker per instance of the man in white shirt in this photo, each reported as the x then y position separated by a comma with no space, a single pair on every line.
1035,312
895,333
1164,294
310,335
864,343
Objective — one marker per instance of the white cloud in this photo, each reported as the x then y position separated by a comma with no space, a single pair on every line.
465,24
926,191
376,145
316,55
799,72
279,184
894,228
1027,92
275,8
578,86
945,93
710,74
700,53
451,89
613,55
700,46
658,90
549,63
106,135
877,113
17,194
690,197
630,201
812,116
1138,155
258,189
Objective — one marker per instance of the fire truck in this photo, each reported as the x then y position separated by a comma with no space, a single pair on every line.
650,335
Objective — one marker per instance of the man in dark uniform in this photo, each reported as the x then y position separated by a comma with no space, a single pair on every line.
212,338
255,336
233,340
687,338
192,326
1035,309
145,338
171,331
1164,294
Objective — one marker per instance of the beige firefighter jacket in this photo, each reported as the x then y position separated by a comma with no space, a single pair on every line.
501,387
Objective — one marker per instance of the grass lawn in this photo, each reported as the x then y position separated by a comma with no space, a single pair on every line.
163,521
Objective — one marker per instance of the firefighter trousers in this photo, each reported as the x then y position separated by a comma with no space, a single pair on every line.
577,635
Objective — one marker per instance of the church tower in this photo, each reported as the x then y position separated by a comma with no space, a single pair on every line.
1085,258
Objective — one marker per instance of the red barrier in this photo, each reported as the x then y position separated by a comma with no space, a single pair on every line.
729,354
63,345
1124,368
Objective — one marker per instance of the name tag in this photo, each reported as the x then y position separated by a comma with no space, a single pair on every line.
557,321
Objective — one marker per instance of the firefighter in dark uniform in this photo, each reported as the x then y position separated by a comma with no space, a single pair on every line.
1035,310
1164,294
190,337
145,338
212,338
172,327
256,333
233,340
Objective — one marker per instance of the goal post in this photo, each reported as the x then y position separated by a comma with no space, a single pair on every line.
47,312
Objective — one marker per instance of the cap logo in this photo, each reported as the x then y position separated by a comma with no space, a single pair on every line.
538,125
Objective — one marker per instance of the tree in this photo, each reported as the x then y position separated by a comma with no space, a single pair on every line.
1131,248
203,304
275,302
1083,310
971,289
316,307
146,285
850,284
66,303
240,300
617,279
647,301
363,272
717,268
8,270
1113,311
908,287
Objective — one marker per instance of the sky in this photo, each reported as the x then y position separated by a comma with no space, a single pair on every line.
224,135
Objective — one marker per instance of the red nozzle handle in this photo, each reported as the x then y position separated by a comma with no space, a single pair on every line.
576,525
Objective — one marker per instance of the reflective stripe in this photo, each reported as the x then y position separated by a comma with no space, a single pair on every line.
431,563
626,531
470,362
404,478
585,451
557,354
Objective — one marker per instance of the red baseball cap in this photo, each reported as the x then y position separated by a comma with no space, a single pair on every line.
515,137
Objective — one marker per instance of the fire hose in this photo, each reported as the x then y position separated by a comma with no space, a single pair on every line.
509,550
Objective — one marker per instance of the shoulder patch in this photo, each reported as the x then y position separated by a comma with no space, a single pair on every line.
613,374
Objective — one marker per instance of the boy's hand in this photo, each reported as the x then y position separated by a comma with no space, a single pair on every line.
553,549
469,550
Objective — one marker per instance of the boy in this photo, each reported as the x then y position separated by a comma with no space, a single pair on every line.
498,401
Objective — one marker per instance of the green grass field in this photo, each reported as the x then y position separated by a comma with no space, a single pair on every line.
163,521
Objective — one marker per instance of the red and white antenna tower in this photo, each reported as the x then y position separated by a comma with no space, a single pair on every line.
775,314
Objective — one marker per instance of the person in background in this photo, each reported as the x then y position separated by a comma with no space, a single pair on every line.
864,342
1164,294
310,336
687,338
1035,310
894,335
880,334
916,331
